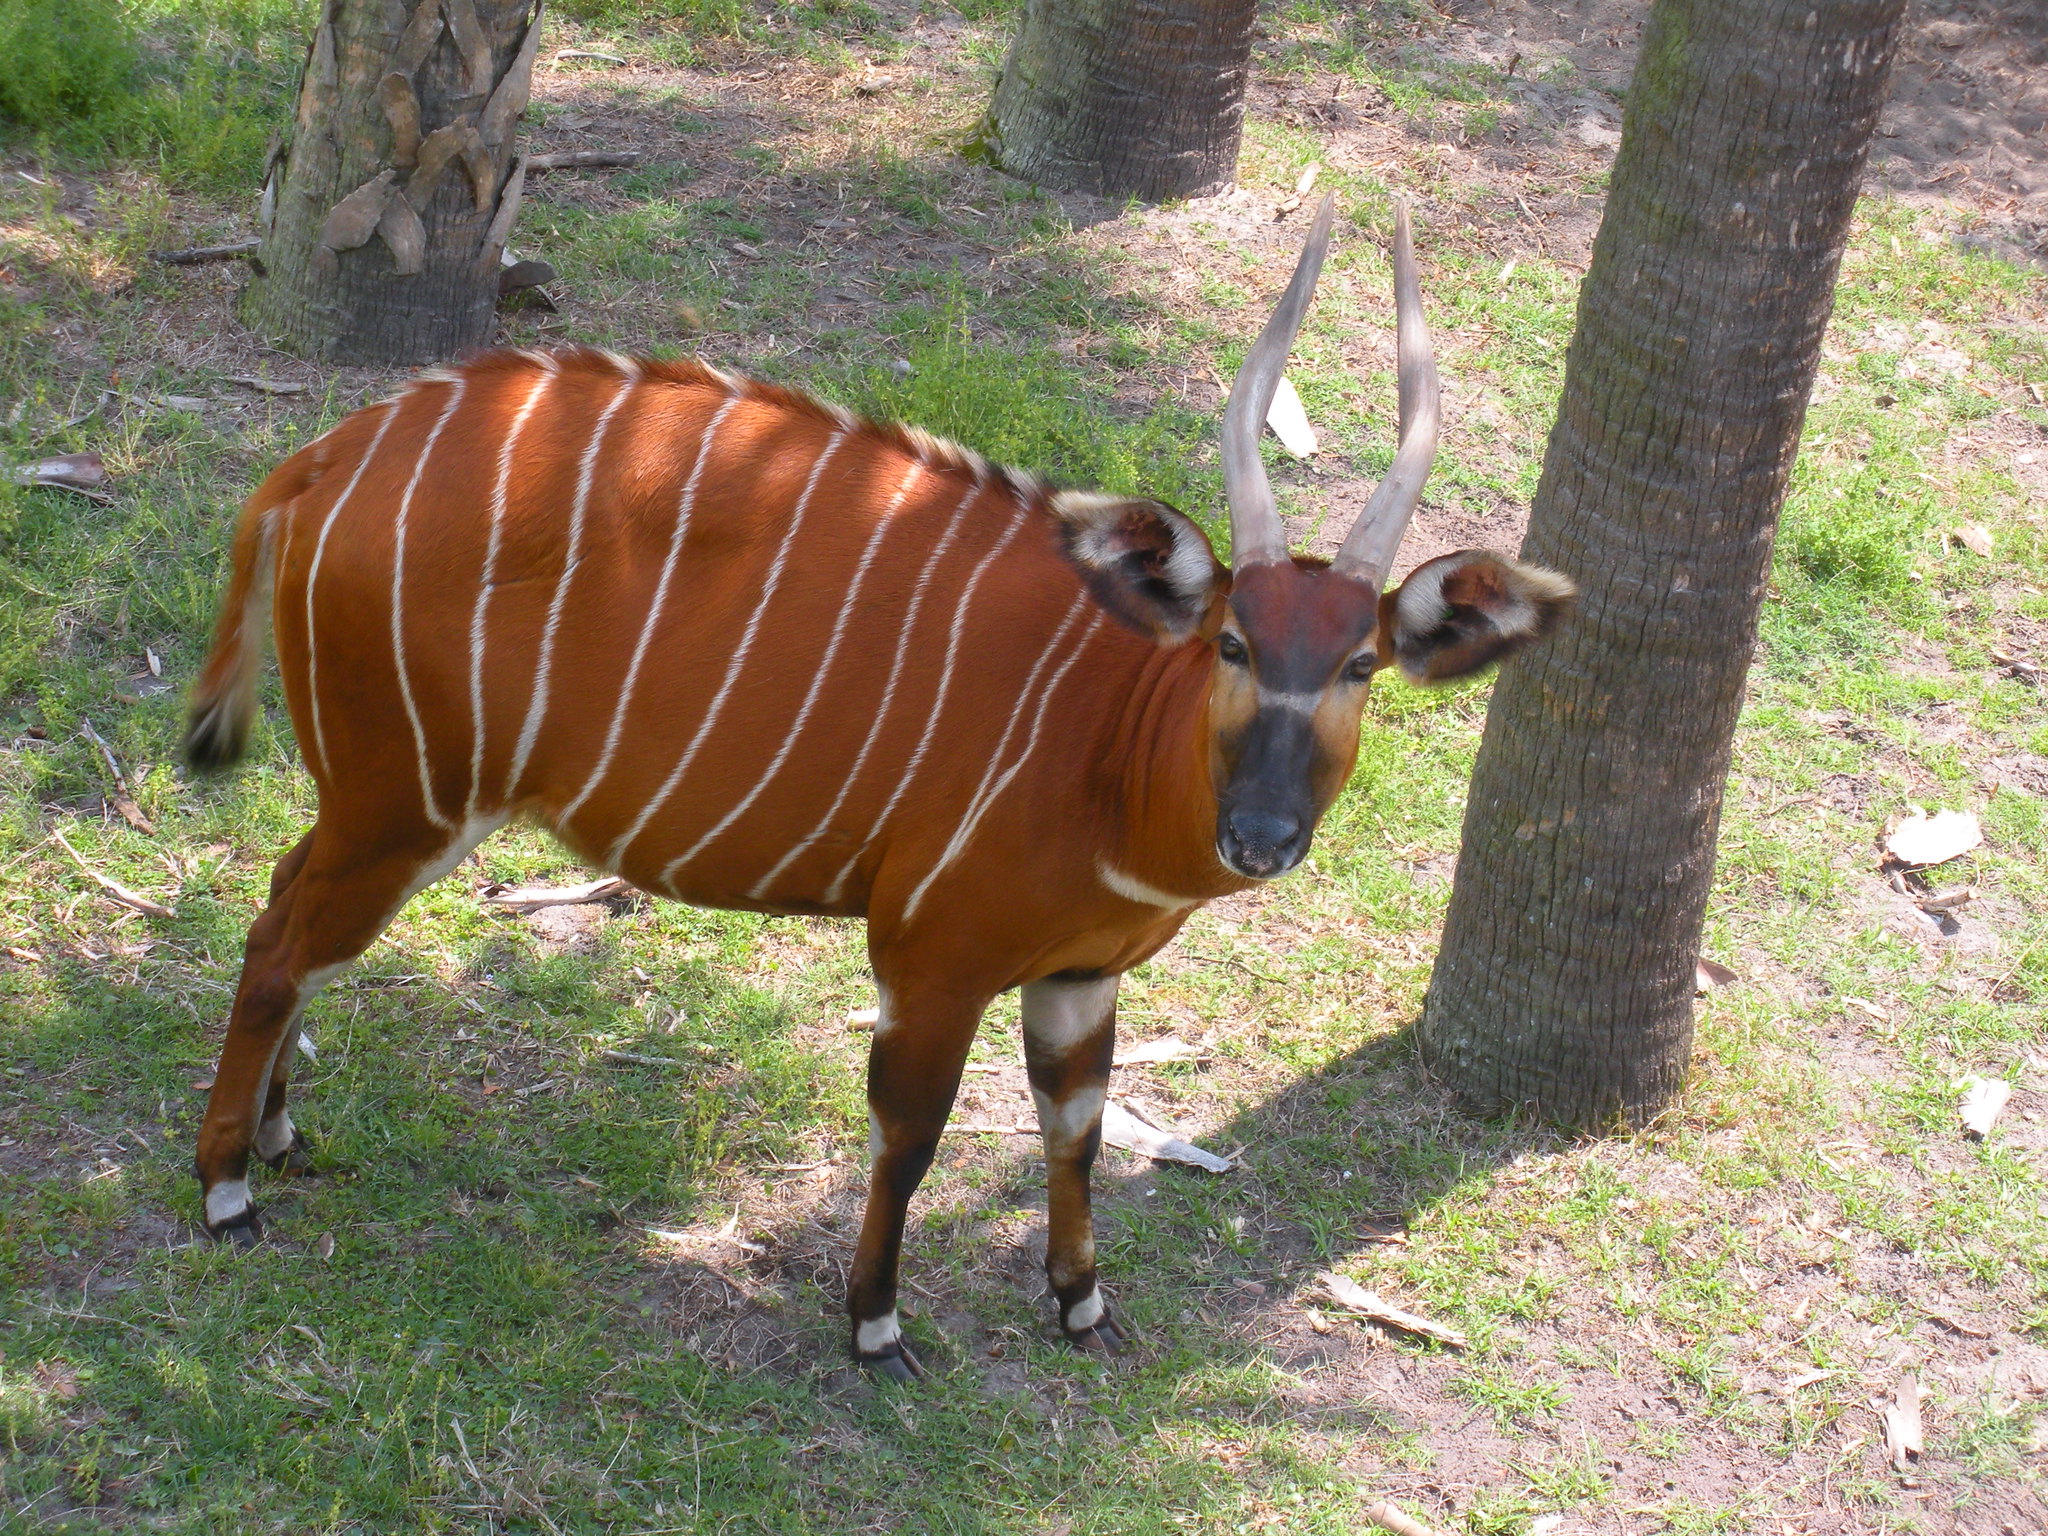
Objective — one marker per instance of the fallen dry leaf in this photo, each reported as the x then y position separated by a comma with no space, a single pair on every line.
1983,1102
1128,1128
1165,1048
1903,1435
1922,840
85,474
1709,974
1355,1297
1290,422
325,1247
1972,536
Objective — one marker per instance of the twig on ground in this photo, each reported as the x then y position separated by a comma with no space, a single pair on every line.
1388,1518
966,1129
586,53
198,255
124,802
1356,1298
1274,981
531,898
583,160
638,1060
113,888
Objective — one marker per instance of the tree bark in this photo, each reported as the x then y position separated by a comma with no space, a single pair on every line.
1566,978
1125,98
384,218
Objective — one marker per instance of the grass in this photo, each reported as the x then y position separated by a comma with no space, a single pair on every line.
477,1322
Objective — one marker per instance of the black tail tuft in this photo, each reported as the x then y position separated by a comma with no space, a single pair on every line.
216,735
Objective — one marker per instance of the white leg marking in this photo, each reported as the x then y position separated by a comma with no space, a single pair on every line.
732,670
1131,888
1059,1015
877,1335
467,836
931,720
227,1199
874,1137
412,709
1086,1312
313,575
1065,1123
274,1135
490,576
537,706
818,676
654,613
760,891
983,800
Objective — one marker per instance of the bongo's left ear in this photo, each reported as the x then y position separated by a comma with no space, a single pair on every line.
1461,612
1149,565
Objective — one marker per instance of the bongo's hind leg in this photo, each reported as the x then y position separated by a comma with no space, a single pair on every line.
345,889
278,1142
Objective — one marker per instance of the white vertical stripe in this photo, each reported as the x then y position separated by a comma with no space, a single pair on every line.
931,720
881,715
313,574
732,670
490,576
543,675
818,675
654,612
982,800
412,710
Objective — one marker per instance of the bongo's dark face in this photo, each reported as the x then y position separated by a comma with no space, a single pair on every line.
1295,659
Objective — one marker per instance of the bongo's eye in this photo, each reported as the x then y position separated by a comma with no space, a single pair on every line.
1362,667
1231,649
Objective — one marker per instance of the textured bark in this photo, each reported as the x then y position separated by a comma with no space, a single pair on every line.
1566,976
384,218
1126,98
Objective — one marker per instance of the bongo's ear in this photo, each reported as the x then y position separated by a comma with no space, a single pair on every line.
1462,612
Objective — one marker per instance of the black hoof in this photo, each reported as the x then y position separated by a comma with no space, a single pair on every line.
244,1230
892,1364
294,1161
1103,1338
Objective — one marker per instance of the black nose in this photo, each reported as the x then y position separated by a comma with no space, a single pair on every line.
1261,843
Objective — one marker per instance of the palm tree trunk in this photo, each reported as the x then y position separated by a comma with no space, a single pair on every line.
1566,977
384,218
1125,98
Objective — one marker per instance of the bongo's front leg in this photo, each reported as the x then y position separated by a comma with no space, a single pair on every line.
921,1043
1069,1042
